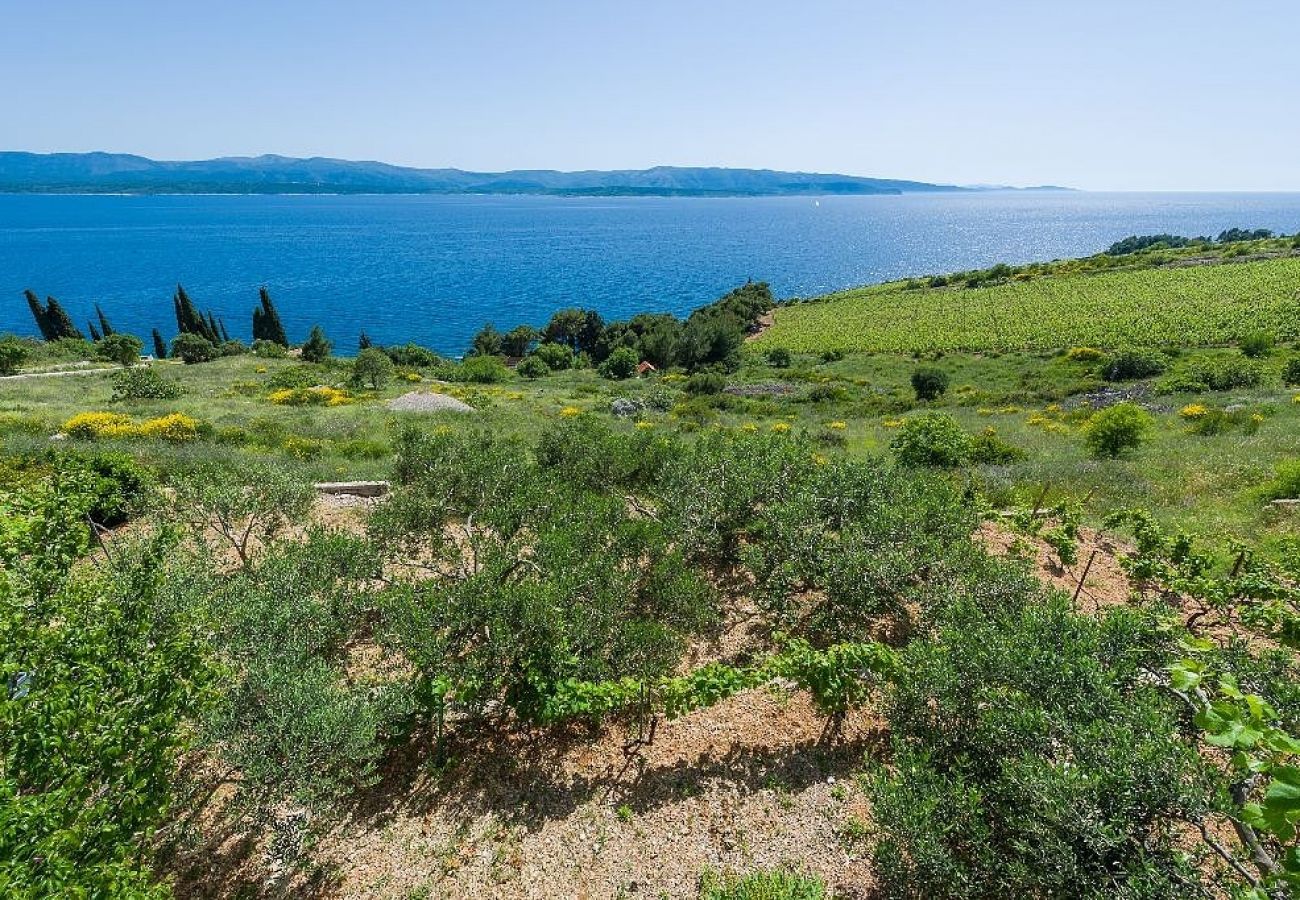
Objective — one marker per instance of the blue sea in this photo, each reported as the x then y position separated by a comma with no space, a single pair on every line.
434,269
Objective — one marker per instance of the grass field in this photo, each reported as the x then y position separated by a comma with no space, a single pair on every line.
1183,306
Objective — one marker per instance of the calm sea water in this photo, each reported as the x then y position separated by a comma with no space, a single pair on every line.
434,269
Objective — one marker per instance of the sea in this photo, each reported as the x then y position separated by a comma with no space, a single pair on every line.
434,269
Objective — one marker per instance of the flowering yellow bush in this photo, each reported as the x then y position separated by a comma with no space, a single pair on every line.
92,426
838,426
644,424
313,396
1296,399
1083,354
1193,411
413,377
101,425
173,427
749,427
892,423
570,411
781,427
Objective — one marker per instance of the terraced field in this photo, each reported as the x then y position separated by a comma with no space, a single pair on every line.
1185,306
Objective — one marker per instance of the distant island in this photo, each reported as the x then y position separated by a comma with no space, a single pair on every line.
114,173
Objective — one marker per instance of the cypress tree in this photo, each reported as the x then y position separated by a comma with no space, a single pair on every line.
364,342
94,332
225,335
266,321
104,327
159,345
60,322
39,314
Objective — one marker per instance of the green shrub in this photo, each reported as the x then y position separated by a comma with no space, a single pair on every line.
930,383
1291,372
144,383
932,439
193,348
13,353
830,356
294,378
779,884
1034,757
1229,374
990,448
372,368
318,346
1257,344
120,486
706,383
269,349
1115,429
557,357
1127,365
780,358
620,364
1083,354
413,356
481,370
232,347
123,349
532,367
1285,484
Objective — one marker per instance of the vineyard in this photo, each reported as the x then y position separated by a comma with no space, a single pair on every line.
1185,306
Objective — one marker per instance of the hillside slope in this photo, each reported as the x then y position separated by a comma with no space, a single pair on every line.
1198,305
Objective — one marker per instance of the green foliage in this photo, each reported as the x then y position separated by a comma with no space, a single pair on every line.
267,326
1291,372
264,349
932,439
779,358
1126,365
372,368
519,340
1257,344
1071,305
990,448
318,347
1138,243
706,384
13,353
481,370
1285,484
52,320
583,451
1035,757
412,356
557,357
123,349
487,342
193,348
101,675
778,884
620,364
1118,428
533,367
189,320
119,486
144,383
929,383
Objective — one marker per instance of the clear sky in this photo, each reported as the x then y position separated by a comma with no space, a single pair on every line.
1133,95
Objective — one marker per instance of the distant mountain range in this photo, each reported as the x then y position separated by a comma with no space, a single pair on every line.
106,173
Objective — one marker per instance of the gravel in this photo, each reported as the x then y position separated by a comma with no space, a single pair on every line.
425,402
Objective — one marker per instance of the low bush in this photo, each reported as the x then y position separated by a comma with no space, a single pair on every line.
780,358
13,353
929,383
1127,365
1257,344
990,448
232,348
144,383
413,356
123,349
830,356
312,396
932,439
705,383
193,348
92,426
372,368
532,367
779,884
269,349
1291,372
1083,354
1285,484
1118,428
557,357
294,377
620,364
175,427
481,370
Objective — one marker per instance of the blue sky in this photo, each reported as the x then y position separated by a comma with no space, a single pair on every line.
1100,95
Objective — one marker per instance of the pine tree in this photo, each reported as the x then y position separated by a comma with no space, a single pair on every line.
159,345
38,313
94,332
60,322
266,321
317,349
105,328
